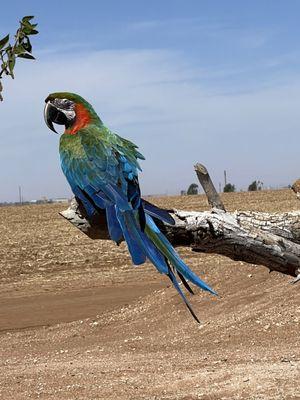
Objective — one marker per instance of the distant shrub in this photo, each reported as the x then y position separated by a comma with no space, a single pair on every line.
193,189
255,185
229,187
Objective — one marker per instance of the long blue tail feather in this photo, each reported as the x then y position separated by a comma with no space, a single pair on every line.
152,244
145,243
169,252
185,284
138,255
177,287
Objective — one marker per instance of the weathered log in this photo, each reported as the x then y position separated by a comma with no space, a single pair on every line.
258,238
272,240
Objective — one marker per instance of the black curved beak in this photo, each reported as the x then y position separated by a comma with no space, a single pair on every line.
48,113
53,115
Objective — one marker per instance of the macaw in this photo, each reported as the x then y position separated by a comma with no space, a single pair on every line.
102,170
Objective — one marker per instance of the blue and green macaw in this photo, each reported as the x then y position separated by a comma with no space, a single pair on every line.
102,170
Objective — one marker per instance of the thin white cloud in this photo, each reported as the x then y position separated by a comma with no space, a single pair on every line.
226,31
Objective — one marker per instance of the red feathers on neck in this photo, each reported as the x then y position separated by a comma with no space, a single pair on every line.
83,118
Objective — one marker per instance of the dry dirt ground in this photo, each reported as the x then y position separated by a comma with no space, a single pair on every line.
78,321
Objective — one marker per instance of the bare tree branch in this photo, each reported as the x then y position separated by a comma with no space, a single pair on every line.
212,195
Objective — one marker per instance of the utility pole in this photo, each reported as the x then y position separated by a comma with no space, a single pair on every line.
20,195
225,178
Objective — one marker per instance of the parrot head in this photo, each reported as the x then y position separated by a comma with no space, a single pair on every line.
68,109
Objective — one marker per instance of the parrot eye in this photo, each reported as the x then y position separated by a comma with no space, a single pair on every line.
64,104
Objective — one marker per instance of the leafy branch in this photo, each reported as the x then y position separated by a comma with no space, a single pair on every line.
21,48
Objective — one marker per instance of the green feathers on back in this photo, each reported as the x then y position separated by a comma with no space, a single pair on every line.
95,139
95,154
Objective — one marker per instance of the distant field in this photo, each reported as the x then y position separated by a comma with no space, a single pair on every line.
266,200
78,321
35,239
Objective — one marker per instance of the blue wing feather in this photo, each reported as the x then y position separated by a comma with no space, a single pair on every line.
114,228
158,213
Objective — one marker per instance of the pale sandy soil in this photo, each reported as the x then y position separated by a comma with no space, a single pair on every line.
77,321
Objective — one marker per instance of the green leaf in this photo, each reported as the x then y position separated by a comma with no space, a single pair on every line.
20,49
11,64
25,23
26,55
4,41
27,18
27,45
33,32
26,30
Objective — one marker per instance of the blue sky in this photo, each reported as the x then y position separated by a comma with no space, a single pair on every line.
216,82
